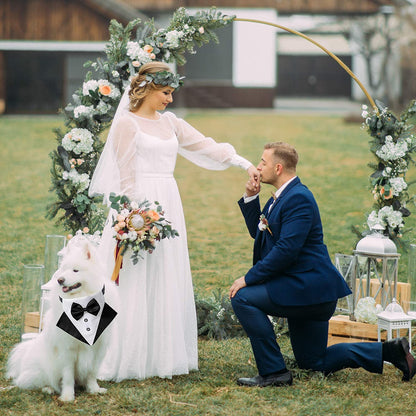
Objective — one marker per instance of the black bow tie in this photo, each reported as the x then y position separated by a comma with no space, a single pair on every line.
77,311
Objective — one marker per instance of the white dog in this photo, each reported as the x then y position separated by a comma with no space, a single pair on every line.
72,344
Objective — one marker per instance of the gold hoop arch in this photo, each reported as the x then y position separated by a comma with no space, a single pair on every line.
295,32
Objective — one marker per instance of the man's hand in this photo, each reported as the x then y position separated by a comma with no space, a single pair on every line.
237,285
251,189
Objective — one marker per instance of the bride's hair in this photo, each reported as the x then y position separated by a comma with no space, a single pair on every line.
139,88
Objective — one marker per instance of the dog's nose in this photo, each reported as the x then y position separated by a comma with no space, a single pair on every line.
61,281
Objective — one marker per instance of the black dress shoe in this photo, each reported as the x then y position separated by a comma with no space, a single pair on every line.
284,379
398,353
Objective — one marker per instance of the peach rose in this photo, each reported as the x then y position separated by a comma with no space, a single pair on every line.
104,89
85,230
153,215
136,64
383,193
148,49
120,218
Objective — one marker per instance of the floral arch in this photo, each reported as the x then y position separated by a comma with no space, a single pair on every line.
93,106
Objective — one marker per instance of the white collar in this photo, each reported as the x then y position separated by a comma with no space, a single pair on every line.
282,188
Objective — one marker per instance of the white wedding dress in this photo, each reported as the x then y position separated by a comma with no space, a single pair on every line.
155,331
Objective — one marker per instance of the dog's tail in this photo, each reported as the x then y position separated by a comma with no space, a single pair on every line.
24,366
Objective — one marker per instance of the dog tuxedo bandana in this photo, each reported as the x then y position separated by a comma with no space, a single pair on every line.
86,318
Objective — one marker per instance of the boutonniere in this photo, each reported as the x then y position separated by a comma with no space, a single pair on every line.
264,224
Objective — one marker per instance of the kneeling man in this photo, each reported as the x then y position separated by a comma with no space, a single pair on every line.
293,277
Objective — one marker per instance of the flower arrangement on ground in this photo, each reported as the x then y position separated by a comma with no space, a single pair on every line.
138,226
392,143
94,104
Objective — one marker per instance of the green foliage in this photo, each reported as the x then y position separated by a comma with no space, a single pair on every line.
393,143
216,318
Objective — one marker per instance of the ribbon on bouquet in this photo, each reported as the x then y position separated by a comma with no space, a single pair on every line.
119,265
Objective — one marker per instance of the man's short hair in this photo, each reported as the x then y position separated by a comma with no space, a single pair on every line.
285,154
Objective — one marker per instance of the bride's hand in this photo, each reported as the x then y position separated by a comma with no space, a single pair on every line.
254,175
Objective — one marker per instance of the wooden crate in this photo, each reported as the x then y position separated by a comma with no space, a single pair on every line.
341,329
32,322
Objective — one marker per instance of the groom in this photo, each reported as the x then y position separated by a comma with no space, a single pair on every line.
293,277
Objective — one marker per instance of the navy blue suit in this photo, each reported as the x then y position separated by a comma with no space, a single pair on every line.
293,277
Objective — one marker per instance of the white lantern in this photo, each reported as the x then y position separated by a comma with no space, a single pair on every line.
394,318
376,269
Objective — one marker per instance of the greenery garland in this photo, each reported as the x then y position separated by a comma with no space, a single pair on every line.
94,104
392,144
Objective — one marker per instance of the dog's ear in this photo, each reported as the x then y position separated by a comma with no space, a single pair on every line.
87,250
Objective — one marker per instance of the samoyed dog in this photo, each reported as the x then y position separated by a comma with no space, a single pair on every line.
72,344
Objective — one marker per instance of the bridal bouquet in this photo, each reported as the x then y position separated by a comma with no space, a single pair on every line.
137,226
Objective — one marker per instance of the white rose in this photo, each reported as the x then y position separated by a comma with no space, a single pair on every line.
262,226
124,212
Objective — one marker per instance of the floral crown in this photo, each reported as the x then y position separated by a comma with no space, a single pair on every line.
165,78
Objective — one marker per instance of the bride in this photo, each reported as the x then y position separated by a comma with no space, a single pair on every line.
155,333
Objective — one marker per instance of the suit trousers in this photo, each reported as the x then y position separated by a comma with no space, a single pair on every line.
308,330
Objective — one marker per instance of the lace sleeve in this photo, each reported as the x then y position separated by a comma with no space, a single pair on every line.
204,151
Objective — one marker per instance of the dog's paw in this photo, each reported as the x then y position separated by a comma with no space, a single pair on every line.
67,397
101,390
48,390
96,389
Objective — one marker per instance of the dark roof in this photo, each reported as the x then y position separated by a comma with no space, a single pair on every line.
282,6
117,9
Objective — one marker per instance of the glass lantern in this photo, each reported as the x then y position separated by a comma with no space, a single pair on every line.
345,264
377,264
33,277
53,245
411,278
53,248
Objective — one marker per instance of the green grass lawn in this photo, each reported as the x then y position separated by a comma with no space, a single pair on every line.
333,164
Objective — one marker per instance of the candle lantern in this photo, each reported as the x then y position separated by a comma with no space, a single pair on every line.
53,245
345,264
53,254
376,269
411,278
394,318
33,276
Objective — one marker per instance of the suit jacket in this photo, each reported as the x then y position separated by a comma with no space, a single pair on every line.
292,260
